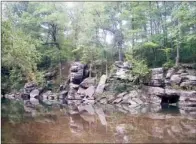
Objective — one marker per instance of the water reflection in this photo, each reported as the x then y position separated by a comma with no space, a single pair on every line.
104,124
169,109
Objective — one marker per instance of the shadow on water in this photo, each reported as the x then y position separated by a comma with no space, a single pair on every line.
169,109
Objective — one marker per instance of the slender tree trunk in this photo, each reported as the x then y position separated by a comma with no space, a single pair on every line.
133,36
106,64
165,25
178,44
90,73
120,52
177,56
150,6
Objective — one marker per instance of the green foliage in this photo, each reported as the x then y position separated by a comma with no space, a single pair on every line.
140,69
168,64
151,45
37,36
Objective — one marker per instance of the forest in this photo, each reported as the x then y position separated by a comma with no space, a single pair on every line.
39,36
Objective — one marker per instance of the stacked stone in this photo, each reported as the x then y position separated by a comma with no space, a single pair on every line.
80,89
183,78
157,78
123,70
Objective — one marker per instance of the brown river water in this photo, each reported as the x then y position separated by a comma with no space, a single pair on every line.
57,126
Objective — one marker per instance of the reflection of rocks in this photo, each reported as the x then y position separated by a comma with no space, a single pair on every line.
121,136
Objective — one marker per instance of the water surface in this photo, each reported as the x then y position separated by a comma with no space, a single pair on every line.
57,126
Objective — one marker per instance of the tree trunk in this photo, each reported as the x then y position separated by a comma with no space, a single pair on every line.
90,73
177,56
120,52
150,6
165,25
178,44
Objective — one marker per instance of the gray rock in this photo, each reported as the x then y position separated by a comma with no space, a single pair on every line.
116,101
188,84
170,72
191,77
167,82
170,92
131,102
81,90
156,83
63,94
34,101
155,91
88,101
134,93
187,94
157,71
157,76
74,68
181,71
101,84
123,74
137,100
126,96
175,79
103,101
87,82
75,86
110,97
76,77
121,95
118,64
183,74
34,93
90,91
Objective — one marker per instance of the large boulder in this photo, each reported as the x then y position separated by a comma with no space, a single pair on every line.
158,91
157,70
77,72
101,84
34,101
157,78
118,64
176,79
34,93
170,72
89,92
87,82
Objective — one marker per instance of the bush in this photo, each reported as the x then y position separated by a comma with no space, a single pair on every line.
140,69
168,64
